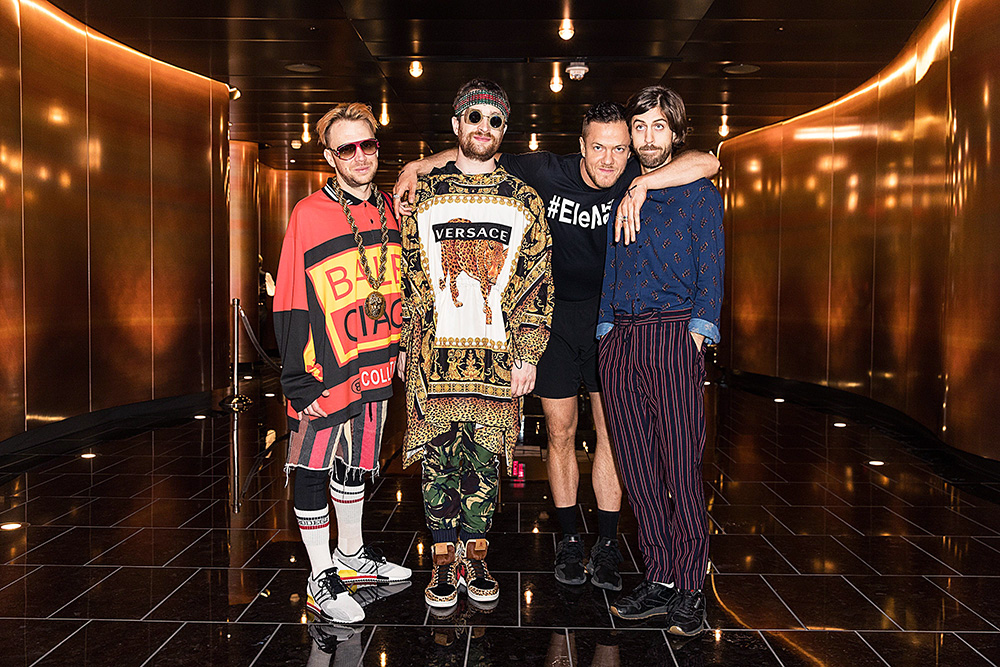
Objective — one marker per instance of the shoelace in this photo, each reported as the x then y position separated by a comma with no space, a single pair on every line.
373,554
687,603
641,591
607,554
331,583
479,568
441,577
569,551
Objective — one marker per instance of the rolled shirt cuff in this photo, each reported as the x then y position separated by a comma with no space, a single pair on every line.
706,329
603,328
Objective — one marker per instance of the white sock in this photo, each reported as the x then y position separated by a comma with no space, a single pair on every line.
314,525
348,503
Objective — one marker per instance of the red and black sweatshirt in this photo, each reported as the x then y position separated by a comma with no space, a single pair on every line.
325,339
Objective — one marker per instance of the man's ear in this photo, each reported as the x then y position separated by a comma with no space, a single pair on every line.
328,156
583,146
454,125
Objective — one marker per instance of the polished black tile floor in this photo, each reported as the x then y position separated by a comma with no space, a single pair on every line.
819,556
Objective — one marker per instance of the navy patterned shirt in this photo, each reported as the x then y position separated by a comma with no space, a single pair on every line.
675,263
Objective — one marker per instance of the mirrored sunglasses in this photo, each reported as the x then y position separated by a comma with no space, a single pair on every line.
347,151
475,117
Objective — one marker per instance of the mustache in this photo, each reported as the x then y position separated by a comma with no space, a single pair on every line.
650,147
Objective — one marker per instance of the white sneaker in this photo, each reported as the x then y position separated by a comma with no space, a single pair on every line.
368,566
328,598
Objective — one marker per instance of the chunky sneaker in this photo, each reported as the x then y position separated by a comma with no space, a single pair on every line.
688,618
368,566
605,558
569,561
329,599
481,585
647,599
442,591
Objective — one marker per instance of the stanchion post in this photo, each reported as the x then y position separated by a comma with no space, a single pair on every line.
236,401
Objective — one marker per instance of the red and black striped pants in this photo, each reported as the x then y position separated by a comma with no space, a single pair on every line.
653,390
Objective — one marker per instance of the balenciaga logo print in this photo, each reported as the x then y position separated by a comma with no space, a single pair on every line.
479,249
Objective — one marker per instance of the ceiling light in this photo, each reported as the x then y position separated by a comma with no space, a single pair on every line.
556,84
292,160
296,144
876,462
384,118
247,377
533,144
302,68
416,69
200,417
88,455
305,132
234,93
779,400
13,525
840,424
269,394
740,69
724,127
566,30
576,70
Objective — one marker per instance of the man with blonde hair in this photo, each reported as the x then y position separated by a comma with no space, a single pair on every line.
337,317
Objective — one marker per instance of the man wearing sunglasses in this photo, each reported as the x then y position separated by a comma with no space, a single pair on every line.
337,317
579,190
477,306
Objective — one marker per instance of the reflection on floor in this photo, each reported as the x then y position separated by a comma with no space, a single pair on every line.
820,556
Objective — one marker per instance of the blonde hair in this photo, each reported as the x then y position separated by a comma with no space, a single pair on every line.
352,111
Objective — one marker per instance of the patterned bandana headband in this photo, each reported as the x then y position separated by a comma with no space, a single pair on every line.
481,96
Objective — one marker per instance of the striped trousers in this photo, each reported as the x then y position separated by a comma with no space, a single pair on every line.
652,375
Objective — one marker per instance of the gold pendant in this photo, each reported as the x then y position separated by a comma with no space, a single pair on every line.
375,305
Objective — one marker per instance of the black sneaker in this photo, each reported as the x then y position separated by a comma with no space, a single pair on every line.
569,561
605,558
646,600
688,618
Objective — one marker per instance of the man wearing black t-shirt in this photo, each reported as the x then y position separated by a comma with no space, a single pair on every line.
578,190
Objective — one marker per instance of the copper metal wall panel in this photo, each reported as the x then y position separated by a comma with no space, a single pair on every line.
724,351
893,206
11,304
853,239
973,308
54,122
182,232
280,190
244,235
120,233
221,328
930,215
804,284
753,261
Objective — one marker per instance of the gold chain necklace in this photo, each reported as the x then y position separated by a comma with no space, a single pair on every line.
374,302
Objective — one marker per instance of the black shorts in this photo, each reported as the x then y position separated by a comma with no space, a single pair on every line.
570,359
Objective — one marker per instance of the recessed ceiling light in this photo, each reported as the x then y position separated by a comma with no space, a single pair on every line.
247,377
876,462
740,69
200,417
566,30
88,455
13,525
839,424
302,68
416,69
269,395
779,400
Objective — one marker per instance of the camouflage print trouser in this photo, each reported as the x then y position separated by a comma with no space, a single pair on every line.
459,480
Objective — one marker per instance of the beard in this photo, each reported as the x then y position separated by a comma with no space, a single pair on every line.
349,180
652,156
475,150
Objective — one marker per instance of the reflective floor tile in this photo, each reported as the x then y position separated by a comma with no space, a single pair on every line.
314,644
111,643
818,554
733,554
893,554
923,649
229,644
811,648
150,546
740,601
609,648
25,641
213,595
915,603
829,603
78,546
546,602
129,593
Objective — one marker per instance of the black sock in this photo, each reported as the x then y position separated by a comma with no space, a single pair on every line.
607,524
567,519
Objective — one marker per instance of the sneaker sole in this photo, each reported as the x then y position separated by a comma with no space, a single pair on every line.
638,617
570,582
441,604
476,597
359,579
315,610
678,631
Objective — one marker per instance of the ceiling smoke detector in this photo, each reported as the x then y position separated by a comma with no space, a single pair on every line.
576,70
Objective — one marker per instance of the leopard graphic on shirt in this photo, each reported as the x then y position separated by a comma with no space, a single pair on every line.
481,259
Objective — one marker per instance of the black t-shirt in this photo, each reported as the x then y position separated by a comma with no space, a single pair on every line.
577,215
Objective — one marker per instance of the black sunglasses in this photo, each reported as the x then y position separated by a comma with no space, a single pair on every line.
475,117
347,151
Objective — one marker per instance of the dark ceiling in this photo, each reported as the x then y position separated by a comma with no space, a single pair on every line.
809,53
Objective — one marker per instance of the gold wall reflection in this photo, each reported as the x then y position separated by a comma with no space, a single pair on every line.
861,236
125,222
